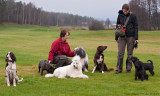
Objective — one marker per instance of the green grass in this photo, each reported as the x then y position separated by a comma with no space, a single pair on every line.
32,44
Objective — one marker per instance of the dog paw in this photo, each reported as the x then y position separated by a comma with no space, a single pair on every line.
85,77
85,70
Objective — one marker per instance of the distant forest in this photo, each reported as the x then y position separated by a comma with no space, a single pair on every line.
147,12
22,13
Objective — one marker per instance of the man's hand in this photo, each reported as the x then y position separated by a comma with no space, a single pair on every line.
75,50
49,61
136,40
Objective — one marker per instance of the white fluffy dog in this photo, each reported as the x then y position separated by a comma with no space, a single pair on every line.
74,70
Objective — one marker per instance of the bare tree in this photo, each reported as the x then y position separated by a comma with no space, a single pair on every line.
108,22
147,12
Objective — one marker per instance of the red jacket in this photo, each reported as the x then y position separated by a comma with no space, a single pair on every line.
60,48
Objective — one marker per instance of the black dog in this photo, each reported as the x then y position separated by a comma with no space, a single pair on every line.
140,70
99,60
44,65
147,66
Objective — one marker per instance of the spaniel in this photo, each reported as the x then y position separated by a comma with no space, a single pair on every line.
99,64
11,72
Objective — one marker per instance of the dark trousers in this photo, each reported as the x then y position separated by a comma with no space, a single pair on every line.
61,60
122,42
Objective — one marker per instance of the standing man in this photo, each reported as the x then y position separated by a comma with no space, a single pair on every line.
60,50
131,36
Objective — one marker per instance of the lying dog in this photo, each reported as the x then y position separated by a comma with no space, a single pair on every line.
147,66
83,58
74,70
11,72
140,70
44,65
99,60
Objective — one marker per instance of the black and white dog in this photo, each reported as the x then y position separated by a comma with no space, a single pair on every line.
11,72
99,64
79,51
139,69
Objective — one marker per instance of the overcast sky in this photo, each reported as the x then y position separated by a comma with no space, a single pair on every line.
98,9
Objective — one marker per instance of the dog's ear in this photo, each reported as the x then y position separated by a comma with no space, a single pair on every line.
6,57
6,64
99,48
13,57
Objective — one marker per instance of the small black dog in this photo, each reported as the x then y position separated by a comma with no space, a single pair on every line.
147,66
44,65
140,70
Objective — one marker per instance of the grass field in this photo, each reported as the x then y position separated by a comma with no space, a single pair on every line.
31,44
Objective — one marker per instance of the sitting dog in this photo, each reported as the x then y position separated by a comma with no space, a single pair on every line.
79,51
73,70
99,60
147,66
44,65
11,72
140,70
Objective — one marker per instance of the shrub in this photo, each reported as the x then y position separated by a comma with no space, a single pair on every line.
96,25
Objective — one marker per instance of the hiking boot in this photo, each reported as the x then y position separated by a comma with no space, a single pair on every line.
128,71
117,72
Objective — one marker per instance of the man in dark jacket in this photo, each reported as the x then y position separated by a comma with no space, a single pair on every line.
131,36
59,51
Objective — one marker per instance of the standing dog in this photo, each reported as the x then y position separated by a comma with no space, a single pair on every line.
74,70
147,66
11,72
79,51
44,65
99,60
140,70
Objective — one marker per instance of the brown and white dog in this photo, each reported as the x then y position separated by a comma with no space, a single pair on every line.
11,72
99,64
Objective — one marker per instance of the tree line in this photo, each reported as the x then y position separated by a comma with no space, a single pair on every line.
22,13
148,13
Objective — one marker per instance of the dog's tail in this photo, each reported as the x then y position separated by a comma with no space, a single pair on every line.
20,80
150,61
49,75
110,69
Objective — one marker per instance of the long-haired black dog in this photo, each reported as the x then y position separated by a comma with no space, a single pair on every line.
140,70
